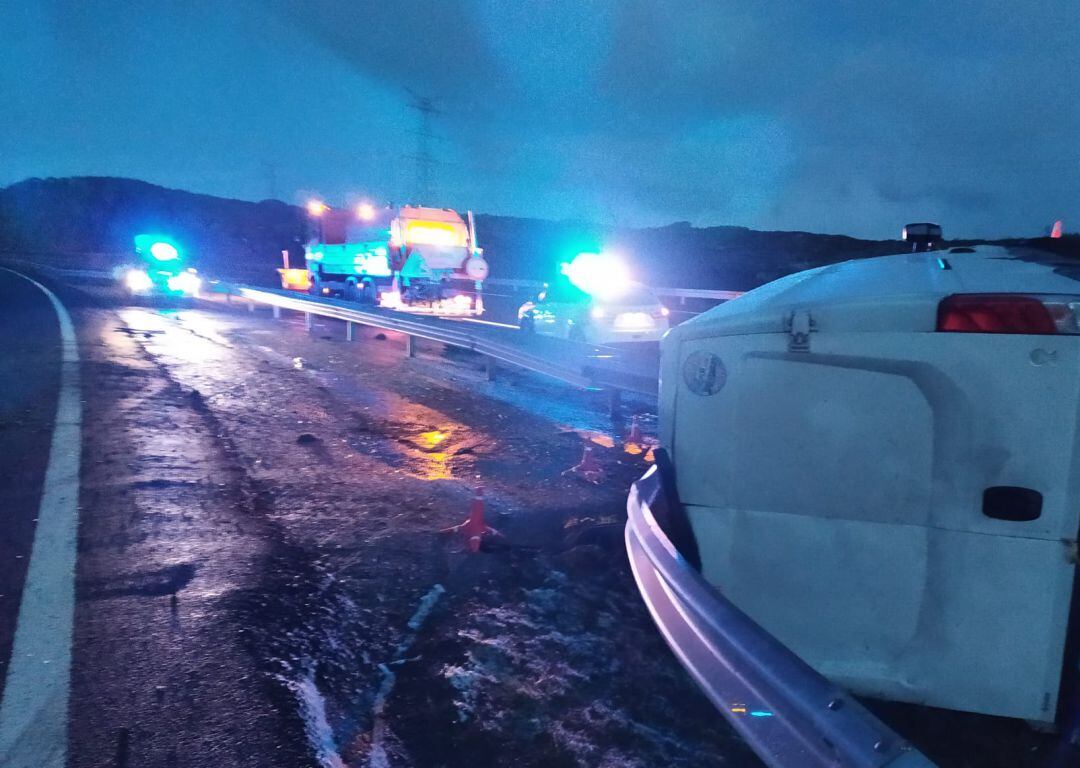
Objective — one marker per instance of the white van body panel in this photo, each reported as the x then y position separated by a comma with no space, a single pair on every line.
836,491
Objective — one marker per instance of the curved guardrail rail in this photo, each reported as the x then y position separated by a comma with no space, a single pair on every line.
570,369
680,293
789,714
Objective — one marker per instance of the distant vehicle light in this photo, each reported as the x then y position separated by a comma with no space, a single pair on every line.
164,251
295,279
602,275
137,281
366,211
317,207
597,313
664,311
390,300
187,283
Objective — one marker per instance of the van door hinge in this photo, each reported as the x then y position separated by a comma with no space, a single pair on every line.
799,324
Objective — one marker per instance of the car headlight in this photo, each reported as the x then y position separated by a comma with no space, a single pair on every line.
137,281
187,283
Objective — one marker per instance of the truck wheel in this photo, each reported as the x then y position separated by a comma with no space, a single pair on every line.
351,293
368,294
315,289
527,324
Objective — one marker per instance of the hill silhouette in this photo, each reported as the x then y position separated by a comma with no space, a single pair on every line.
91,221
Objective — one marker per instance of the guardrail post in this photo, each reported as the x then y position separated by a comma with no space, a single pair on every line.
348,330
277,312
616,403
410,346
307,321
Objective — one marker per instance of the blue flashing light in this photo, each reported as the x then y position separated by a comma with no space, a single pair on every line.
164,251
760,713
602,275
160,248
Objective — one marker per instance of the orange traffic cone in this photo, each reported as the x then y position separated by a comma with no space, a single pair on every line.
589,462
589,468
474,529
635,436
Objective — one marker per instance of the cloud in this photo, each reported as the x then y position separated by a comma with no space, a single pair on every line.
833,116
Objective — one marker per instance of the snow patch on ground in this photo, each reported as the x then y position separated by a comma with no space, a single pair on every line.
316,726
380,732
539,668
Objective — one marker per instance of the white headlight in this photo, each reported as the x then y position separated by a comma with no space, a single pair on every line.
187,283
137,281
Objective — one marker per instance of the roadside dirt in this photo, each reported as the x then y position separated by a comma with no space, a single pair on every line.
391,644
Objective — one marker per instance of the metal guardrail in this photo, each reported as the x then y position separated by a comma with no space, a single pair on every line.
788,713
452,334
682,293
698,293
90,275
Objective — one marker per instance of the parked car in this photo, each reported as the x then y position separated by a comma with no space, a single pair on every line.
877,462
564,310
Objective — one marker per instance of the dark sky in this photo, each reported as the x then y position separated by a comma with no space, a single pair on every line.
829,116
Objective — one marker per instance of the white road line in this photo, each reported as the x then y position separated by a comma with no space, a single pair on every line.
34,710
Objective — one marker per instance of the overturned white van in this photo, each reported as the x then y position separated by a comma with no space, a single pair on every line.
879,463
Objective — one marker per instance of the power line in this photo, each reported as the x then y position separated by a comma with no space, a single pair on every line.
424,159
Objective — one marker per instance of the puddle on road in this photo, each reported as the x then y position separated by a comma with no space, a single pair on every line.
438,463
423,450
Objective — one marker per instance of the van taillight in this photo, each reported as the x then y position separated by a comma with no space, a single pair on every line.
1005,313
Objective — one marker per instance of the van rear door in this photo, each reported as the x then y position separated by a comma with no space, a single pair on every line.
899,508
